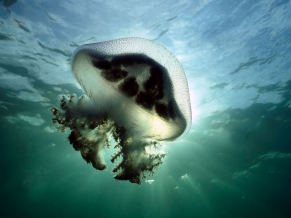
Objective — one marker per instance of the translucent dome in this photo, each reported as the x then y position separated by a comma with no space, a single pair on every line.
139,83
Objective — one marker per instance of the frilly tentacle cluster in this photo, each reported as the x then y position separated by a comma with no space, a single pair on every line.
91,133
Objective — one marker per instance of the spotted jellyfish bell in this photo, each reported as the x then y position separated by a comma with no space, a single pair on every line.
138,94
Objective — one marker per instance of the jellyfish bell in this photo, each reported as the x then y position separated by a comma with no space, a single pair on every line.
136,94
135,81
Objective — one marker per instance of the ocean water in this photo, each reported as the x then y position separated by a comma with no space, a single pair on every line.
234,162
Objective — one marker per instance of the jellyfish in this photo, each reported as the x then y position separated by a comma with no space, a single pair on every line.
136,98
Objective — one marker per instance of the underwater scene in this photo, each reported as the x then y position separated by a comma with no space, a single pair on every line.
145,109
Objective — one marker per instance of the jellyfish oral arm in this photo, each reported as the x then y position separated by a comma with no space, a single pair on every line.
90,134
